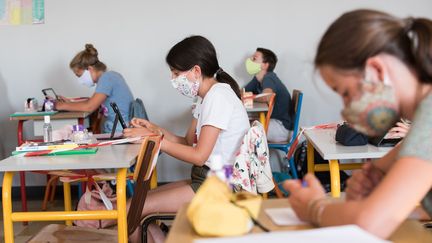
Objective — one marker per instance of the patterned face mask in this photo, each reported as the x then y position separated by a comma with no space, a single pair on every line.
375,112
185,87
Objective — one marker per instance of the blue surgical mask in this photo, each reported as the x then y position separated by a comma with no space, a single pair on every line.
86,79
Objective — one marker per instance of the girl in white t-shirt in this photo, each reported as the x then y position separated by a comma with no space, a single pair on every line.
218,126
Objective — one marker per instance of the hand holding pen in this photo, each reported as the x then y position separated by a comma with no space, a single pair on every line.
302,193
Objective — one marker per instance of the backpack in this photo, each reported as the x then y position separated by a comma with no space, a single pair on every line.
137,109
300,160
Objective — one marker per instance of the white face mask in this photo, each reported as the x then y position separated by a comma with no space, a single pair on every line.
185,87
86,79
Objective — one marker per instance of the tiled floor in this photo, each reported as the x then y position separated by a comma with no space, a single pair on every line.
23,233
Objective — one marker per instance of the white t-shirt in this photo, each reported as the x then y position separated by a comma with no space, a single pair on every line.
221,108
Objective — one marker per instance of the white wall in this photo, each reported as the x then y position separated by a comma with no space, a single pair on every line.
133,38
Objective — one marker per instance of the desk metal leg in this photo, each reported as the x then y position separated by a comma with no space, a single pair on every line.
334,178
20,137
121,206
310,158
67,200
262,118
7,207
23,193
153,179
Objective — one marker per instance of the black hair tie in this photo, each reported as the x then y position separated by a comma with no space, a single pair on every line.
219,71
409,22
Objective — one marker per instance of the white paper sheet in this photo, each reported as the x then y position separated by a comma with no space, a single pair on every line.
340,234
283,216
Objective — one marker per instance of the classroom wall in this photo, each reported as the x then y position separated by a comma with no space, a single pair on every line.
133,38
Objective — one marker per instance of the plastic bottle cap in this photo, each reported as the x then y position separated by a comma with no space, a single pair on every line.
216,162
77,128
47,119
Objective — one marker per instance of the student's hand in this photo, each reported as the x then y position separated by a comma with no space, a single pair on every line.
362,182
59,105
137,132
63,99
399,131
301,195
139,122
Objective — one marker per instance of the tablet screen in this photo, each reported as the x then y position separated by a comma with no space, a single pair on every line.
49,93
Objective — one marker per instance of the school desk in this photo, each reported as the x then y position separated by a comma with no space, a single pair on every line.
75,116
261,109
119,157
323,140
410,231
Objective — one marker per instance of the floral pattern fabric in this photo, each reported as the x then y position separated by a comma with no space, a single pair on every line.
251,170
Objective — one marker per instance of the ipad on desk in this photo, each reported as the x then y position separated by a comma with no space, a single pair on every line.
113,135
108,136
50,93
384,141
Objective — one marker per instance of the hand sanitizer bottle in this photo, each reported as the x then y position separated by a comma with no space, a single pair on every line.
221,169
47,129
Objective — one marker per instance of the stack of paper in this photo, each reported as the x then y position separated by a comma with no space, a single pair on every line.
283,216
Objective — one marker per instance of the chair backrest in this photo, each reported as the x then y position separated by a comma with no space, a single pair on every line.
95,122
149,149
271,101
137,109
297,99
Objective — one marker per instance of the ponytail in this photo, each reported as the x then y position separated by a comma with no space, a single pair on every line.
224,77
419,30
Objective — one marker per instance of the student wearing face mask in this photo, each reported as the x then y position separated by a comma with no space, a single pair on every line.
110,87
381,65
217,128
261,65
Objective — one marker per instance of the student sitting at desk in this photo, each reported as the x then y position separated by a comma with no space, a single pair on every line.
381,66
111,87
261,66
218,129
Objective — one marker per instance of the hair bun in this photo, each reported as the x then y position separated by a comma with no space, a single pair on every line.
91,50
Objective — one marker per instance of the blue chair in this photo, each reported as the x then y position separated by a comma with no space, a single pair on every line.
297,98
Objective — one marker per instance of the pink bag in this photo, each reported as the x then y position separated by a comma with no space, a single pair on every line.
97,199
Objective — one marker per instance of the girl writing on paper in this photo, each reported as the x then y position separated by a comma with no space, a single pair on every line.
217,127
110,87
381,66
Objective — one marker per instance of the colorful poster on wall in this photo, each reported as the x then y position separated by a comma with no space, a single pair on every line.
20,12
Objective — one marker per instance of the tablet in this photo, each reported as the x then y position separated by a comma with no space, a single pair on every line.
49,93
118,113
383,141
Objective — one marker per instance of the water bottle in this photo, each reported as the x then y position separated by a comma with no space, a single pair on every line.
47,129
49,105
221,169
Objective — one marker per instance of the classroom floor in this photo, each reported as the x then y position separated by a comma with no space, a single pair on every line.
24,233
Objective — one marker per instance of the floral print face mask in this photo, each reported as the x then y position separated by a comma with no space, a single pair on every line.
185,87
375,112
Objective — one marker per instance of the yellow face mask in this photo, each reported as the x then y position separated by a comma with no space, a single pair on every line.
252,67
216,211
